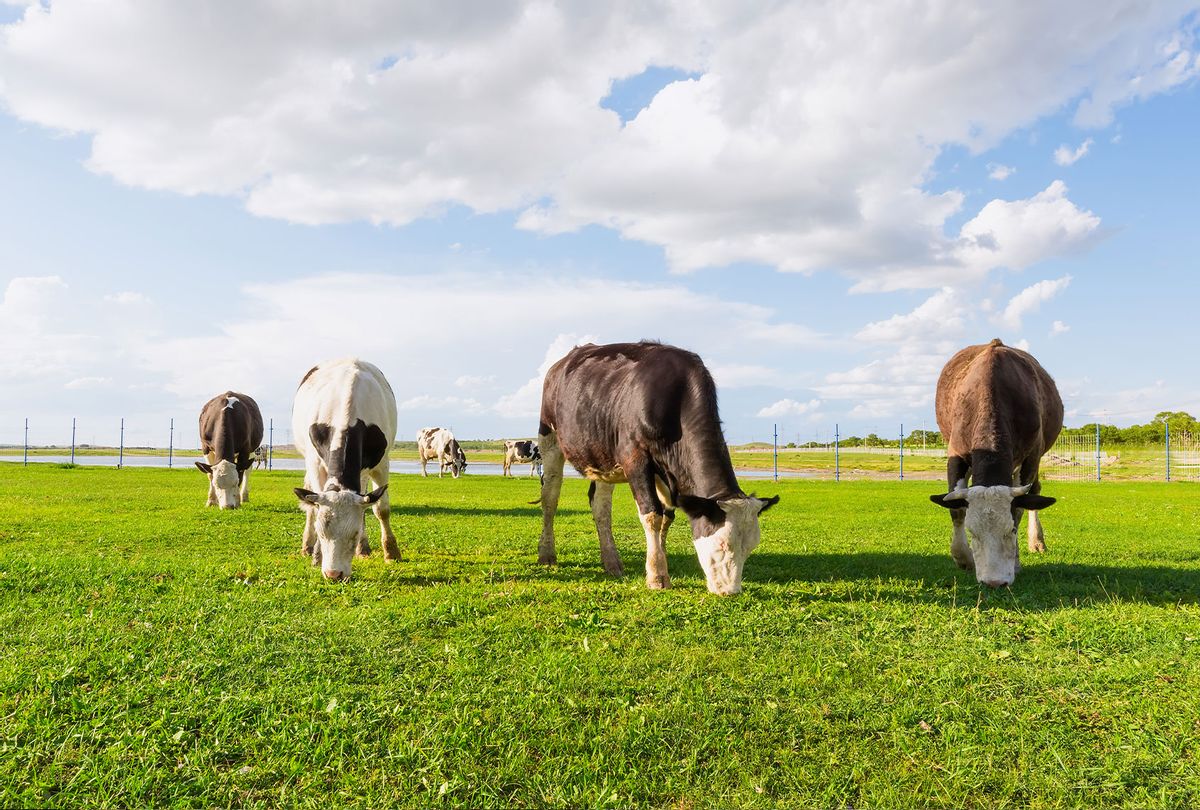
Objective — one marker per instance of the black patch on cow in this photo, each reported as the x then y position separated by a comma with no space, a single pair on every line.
360,447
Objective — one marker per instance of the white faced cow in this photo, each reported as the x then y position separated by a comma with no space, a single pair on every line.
231,426
1000,412
522,452
439,443
646,414
344,423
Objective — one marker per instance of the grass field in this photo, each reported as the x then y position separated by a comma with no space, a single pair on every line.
153,652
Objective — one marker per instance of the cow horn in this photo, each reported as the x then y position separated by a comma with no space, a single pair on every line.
1017,492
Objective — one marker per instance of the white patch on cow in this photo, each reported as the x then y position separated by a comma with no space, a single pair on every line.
230,402
723,554
614,476
993,534
225,484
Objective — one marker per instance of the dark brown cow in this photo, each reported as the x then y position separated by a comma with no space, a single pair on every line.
999,412
231,428
646,414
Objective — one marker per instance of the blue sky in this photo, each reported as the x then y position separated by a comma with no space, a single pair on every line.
165,240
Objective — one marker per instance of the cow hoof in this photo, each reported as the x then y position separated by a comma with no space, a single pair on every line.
548,559
658,583
1037,548
966,566
391,552
615,571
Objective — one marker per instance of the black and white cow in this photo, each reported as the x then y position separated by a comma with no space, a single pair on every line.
1000,412
344,424
439,443
522,452
646,414
231,426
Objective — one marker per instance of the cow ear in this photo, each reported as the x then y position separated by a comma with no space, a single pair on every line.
374,495
695,507
204,468
767,503
1033,502
941,501
306,495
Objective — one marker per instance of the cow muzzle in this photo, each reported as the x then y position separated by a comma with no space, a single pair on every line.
335,576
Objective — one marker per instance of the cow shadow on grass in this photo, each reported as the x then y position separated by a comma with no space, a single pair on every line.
534,512
909,577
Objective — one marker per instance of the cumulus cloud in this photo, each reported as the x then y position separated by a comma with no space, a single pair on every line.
786,144
789,407
1066,156
1030,300
1058,328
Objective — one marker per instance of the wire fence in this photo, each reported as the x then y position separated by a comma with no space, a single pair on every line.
914,456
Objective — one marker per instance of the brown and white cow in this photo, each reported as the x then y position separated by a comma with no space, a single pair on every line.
646,414
999,412
440,444
231,426
344,424
518,451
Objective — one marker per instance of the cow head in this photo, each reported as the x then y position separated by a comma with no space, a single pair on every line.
226,480
993,514
339,524
458,461
724,533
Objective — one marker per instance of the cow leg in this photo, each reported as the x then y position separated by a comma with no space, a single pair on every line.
553,460
957,470
212,492
383,513
1037,536
424,474
314,480
600,496
244,491
656,519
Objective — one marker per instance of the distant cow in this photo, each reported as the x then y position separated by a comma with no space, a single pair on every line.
260,457
231,426
1000,412
522,452
646,414
440,444
344,423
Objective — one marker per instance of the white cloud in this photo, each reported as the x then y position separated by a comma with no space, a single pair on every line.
126,298
474,380
426,402
526,400
1030,300
1058,328
789,407
89,382
940,316
998,171
795,147
747,376
1066,156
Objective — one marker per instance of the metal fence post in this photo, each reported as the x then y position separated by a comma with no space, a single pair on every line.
121,449
775,454
901,451
25,454
1097,451
72,439
1167,433
271,445
171,446
837,458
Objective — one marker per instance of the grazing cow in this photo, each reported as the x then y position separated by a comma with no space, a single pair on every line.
260,457
440,444
231,426
1000,412
522,452
344,423
646,414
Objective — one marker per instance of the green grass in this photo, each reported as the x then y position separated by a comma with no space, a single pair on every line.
153,652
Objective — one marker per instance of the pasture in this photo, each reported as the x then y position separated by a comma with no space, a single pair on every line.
153,652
